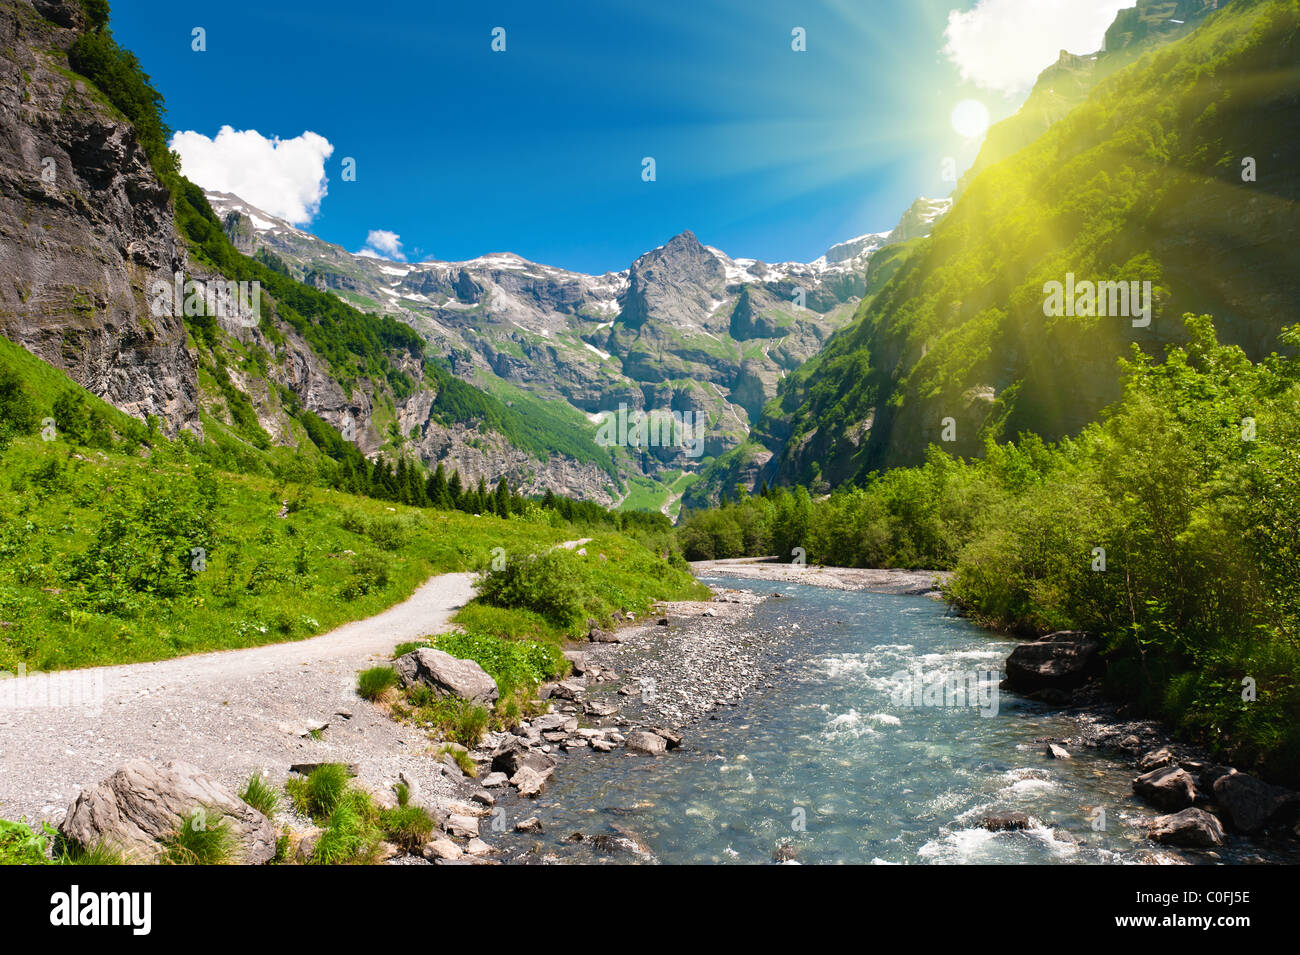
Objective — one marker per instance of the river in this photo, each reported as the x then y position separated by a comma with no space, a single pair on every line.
838,759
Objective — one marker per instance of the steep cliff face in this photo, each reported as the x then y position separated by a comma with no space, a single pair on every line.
85,228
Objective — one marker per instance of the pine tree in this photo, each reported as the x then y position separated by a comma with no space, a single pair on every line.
501,504
437,490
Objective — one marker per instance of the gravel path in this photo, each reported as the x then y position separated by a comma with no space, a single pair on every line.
230,713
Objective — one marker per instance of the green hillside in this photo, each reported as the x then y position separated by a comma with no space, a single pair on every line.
1142,182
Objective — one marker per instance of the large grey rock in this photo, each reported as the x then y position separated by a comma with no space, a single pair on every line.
1251,805
515,755
141,804
1169,787
1193,828
647,744
1059,661
530,782
446,675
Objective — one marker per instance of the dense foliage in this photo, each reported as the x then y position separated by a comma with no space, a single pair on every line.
1191,487
1142,181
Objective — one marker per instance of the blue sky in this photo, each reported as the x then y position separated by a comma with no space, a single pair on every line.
760,150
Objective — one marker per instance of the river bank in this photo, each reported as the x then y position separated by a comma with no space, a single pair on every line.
618,811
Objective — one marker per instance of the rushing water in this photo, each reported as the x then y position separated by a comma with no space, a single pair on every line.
830,743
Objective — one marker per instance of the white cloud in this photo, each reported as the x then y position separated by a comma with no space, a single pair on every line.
1004,44
285,177
382,244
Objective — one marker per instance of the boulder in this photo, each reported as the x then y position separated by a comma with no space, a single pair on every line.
1155,759
440,847
1251,805
648,744
464,826
673,740
305,847
1193,828
1059,661
529,782
568,690
578,660
493,780
1006,822
596,635
515,755
142,804
446,675
1056,751
1169,787
531,824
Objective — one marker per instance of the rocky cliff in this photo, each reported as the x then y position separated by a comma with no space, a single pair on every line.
88,230
85,228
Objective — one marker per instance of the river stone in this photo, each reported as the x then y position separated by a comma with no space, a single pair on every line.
464,826
529,782
578,660
648,744
1193,828
1155,759
1056,751
673,740
1252,805
1059,661
440,847
1006,822
568,690
514,756
141,804
1169,787
446,675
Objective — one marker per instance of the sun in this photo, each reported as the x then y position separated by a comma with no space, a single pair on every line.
970,118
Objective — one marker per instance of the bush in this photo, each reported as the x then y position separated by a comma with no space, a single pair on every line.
408,827
548,584
372,683
351,834
261,796
21,845
317,794
516,665
201,840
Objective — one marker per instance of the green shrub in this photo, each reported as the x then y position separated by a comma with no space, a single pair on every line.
549,584
261,795
202,839
408,827
317,794
351,834
372,683
21,845
514,664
